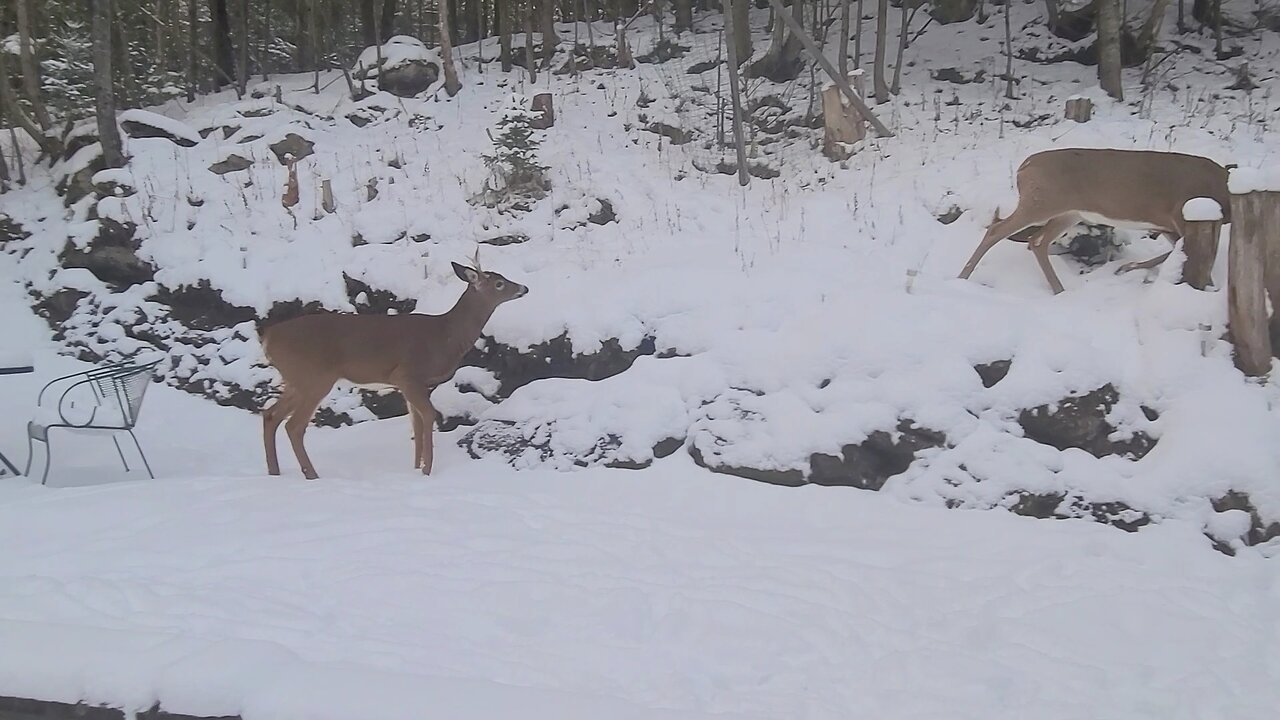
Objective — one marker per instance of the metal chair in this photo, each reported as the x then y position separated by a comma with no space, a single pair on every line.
106,398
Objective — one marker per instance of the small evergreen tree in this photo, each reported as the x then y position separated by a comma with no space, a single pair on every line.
514,159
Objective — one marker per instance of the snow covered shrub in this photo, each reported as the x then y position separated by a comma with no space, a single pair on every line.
513,163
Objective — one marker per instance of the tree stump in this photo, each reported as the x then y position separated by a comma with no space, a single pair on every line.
542,101
1255,224
843,123
326,196
1204,226
1079,109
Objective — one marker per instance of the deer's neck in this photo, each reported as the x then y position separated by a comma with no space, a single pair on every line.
465,321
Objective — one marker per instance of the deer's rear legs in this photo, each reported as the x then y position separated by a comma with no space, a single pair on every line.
271,419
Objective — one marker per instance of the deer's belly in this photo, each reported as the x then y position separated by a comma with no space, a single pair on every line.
1117,223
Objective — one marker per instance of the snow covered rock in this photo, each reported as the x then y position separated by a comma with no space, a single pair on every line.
231,163
292,146
112,256
403,66
870,463
1082,422
577,423
138,123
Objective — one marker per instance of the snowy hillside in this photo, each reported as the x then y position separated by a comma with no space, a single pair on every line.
609,531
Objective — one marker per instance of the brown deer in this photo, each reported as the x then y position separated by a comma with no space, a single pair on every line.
1143,189
413,353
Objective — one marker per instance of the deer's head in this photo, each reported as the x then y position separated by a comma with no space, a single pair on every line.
490,285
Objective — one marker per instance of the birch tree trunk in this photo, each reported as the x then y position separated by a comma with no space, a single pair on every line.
451,84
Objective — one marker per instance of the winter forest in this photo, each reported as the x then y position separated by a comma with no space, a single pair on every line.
752,359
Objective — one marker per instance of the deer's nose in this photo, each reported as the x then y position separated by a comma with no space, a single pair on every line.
524,290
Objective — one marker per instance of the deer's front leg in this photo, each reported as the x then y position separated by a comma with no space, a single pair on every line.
419,399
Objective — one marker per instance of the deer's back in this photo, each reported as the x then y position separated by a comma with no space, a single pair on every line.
1124,185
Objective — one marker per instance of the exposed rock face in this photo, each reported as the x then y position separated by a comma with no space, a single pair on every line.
553,359
410,78
293,145
1080,421
138,129
232,163
870,463
525,447
112,256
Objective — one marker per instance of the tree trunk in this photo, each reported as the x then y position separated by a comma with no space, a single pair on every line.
857,39
368,24
1152,25
1109,48
104,90
122,68
504,33
451,84
9,104
264,59
882,40
742,30
30,68
304,43
242,66
683,15
193,45
902,47
224,60
843,45
387,28
549,38
1008,53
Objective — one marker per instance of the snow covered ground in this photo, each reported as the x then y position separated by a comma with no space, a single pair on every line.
489,590
670,592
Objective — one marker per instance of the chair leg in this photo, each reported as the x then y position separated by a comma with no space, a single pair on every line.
48,459
30,455
142,455
120,452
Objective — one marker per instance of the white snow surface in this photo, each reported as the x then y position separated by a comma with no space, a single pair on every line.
1244,180
1201,209
174,127
489,590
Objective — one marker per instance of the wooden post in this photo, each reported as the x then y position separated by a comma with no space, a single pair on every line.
1203,218
1079,109
781,11
542,101
1271,262
1246,290
843,125
326,197
735,98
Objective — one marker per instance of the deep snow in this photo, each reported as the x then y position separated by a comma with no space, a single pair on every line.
486,590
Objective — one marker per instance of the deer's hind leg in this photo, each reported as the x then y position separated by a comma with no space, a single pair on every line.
1173,235
417,436
1040,243
272,416
997,231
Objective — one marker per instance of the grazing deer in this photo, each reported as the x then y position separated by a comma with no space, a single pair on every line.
413,353
1143,189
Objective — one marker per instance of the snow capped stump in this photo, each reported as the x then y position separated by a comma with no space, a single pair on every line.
143,124
1204,225
1253,267
1079,109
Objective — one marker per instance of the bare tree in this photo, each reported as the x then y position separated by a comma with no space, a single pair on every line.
843,45
549,38
387,27
882,40
223,58
451,84
505,27
1109,48
242,64
902,42
193,45
857,39
30,68
104,90
1151,26
683,15
742,30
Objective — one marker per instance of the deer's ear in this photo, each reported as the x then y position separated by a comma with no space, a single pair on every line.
466,274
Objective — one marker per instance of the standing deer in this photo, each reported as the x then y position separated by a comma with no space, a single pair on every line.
1142,189
413,353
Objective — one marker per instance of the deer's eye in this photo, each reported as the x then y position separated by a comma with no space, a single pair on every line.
499,285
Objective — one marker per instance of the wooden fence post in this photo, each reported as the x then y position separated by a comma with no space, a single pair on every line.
1204,226
1255,224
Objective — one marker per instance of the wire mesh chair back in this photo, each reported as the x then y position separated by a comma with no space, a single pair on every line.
122,385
